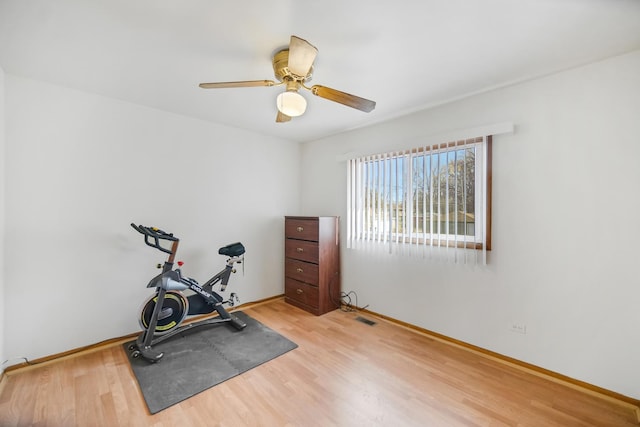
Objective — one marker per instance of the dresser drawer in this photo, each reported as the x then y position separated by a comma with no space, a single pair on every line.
301,249
304,229
301,292
302,271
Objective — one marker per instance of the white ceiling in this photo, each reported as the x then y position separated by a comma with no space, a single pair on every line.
406,54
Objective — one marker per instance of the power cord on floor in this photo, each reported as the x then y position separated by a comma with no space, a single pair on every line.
347,303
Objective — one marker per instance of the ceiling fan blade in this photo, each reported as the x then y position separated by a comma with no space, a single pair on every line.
344,98
301,56
246,83
281,118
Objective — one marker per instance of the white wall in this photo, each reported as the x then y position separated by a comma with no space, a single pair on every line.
565,228
2,191
80,168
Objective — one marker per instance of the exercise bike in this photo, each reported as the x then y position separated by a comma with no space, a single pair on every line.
162,314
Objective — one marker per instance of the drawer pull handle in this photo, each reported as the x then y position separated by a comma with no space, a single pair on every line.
300,229
299,249
299,270
299,291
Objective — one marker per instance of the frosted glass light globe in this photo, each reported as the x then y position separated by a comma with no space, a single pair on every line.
291,104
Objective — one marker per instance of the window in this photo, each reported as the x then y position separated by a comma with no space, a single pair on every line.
430,197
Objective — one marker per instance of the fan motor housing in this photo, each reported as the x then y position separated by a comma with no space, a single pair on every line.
281,68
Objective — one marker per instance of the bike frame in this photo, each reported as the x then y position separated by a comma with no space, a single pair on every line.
172,280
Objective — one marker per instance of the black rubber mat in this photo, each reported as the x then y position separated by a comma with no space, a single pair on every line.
203,357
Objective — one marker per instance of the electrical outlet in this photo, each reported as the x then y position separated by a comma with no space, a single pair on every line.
519,328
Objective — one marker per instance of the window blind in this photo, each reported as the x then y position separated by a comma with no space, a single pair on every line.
431,201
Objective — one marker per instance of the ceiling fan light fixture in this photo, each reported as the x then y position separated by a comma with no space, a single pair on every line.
291,103
293,67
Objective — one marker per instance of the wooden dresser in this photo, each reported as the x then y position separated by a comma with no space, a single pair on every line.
312,263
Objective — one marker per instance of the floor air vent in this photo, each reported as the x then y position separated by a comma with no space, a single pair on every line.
366,321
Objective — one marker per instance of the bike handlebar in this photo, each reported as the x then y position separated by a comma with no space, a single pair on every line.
156,234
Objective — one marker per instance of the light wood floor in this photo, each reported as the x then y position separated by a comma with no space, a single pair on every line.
344,373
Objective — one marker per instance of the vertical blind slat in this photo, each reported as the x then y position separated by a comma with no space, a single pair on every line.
431,194
424,197
484,175
376,198
349,198
456,220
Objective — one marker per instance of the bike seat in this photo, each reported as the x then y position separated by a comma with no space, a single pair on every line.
233,249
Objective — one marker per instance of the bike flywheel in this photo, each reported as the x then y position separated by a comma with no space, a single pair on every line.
174,309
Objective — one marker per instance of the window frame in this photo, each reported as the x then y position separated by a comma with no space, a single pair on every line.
407,236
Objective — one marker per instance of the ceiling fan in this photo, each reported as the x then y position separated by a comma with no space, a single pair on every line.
293,67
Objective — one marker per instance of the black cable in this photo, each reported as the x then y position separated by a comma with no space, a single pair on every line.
346,304
345,300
